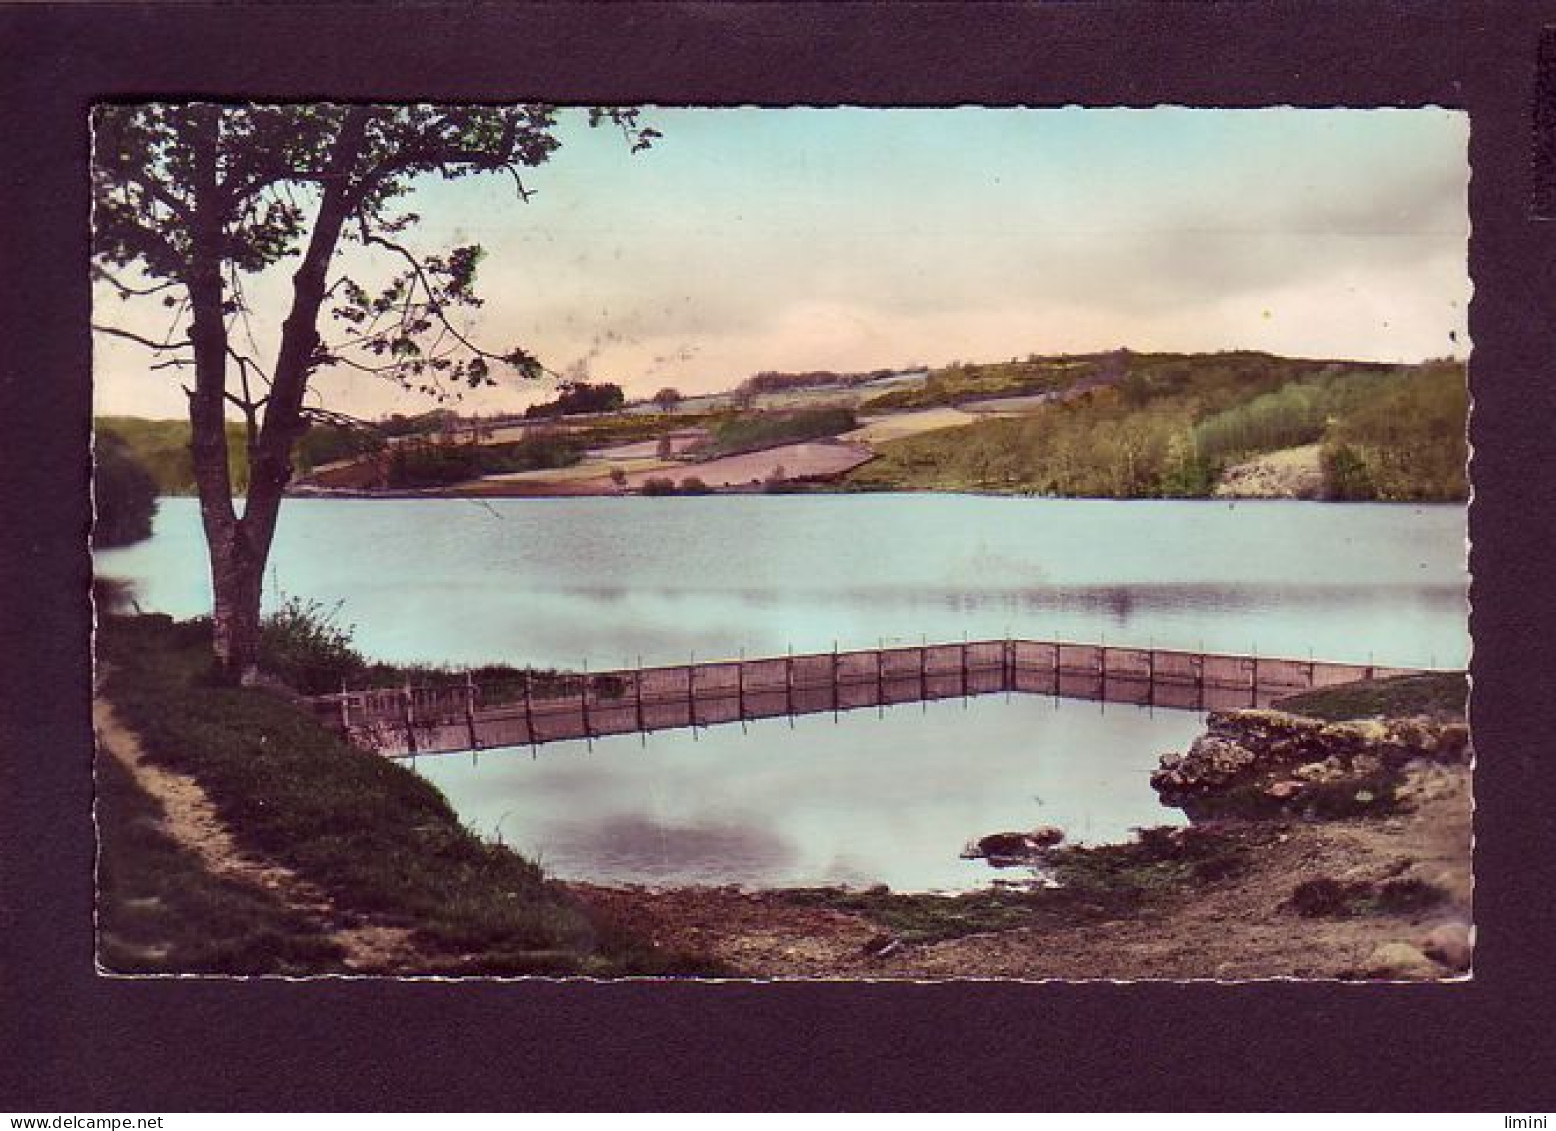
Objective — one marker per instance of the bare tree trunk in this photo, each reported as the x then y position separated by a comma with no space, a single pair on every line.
240,547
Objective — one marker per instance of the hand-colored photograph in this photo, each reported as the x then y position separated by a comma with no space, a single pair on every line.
781,543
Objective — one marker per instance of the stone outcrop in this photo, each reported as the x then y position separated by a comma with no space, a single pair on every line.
1284,756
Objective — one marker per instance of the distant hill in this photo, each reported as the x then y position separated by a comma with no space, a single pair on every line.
1168,425
162,448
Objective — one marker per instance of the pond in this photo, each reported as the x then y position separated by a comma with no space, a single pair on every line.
887,796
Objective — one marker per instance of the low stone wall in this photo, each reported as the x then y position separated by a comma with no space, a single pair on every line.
1283,756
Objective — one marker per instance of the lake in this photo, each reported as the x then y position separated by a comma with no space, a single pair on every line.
875,797
605,581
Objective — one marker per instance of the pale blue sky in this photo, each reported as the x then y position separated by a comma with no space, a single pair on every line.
753,239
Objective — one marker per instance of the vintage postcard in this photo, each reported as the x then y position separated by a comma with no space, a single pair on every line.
781,543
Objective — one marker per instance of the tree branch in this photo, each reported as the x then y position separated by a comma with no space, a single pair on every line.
160,347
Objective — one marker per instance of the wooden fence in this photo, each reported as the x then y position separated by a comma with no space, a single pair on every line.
475,715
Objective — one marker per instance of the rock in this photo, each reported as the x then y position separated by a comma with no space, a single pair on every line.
1452,944
1282,790
1265,748
1005,849
1400,960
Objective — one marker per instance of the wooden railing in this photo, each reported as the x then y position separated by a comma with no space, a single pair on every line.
467,714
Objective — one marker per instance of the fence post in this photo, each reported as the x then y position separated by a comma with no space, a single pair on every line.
475,743
836,698
529,706
408,709
923,681
691,694
964,665
880,674
1150,675
637,684
788,683
1253,682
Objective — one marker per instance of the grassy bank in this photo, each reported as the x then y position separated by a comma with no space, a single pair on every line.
1169,425
1438,694
375,837
159,910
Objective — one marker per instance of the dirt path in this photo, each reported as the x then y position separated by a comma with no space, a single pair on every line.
1240,928
190,819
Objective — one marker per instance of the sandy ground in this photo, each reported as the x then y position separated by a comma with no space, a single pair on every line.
1233,929
190,819
879,429
1004,406
1293,473
796,461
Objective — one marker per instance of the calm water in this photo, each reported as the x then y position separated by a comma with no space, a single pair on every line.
564,581
889,798
869,799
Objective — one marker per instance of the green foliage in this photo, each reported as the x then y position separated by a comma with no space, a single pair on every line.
162,448
421,465
370,833
303,644
1346,478
580,397
657,485
753,432
958,383
1410,435
328,443
692,485
1093,446
1167,425
123,492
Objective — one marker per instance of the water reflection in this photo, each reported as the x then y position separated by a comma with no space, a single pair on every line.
874,797
562,581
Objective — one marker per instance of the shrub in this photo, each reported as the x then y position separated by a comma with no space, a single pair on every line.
658,485
124,492
692,485
302,645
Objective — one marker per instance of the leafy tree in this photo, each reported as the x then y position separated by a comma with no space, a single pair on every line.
580,396
124,492
667,398
192,199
